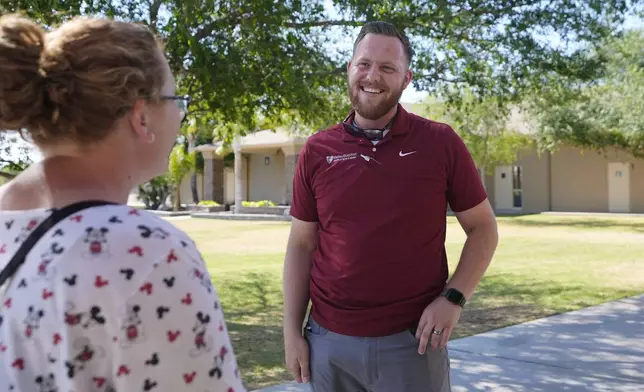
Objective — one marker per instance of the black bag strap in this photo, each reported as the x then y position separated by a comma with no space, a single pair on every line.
58,215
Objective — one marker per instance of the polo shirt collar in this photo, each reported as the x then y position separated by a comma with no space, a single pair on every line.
399,127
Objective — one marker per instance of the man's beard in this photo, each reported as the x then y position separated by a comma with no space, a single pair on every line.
372,111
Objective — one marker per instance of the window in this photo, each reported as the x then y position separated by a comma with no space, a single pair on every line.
517,187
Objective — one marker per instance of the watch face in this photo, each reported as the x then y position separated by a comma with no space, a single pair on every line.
455,297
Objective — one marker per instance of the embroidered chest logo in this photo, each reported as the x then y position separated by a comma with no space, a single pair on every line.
344,157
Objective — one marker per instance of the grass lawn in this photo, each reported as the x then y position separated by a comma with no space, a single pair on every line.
544,265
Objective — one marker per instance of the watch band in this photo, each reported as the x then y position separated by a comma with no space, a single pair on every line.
454,296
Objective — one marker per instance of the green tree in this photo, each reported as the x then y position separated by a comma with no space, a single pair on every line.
181,164
251,62
608,113
483,124
248,56
196,134
154,193
14,156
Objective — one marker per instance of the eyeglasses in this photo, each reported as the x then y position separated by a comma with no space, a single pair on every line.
183,101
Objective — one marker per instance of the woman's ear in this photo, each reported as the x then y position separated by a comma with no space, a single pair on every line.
138,120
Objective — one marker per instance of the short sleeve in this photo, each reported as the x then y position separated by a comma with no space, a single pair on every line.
172,333
303,203
465,189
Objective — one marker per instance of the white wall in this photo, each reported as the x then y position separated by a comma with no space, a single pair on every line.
266,181
186,192
229,185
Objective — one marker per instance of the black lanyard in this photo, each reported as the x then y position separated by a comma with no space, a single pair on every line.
58,215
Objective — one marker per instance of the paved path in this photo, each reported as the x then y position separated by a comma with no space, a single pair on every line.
595,349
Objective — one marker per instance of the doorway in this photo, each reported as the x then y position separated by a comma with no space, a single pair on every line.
508,188
619,187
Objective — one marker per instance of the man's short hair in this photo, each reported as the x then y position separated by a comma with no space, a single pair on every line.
388,29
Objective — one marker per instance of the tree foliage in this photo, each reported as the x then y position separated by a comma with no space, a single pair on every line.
608,113
250,61
254,64
181,164
14,155
484,125
193,135
154,193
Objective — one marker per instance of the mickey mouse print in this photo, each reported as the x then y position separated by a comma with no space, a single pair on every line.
111,299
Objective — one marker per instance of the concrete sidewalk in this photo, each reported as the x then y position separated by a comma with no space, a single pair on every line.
595,349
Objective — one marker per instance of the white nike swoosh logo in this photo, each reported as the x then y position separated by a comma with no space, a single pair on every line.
404,154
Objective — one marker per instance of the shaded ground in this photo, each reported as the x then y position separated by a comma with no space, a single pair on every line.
544,265
595,349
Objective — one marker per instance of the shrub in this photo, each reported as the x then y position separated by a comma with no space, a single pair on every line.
208,203
154,192
261,203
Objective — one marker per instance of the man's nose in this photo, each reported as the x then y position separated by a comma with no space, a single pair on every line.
373,74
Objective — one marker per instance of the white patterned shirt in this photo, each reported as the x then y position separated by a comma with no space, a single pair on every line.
111,299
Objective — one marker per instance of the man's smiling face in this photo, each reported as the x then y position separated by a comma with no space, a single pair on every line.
377,75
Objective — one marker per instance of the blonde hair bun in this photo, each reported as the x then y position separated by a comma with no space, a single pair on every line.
75,82
22,91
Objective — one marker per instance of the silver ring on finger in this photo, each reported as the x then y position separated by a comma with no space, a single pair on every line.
437,332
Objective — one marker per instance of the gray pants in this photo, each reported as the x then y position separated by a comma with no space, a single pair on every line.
342,363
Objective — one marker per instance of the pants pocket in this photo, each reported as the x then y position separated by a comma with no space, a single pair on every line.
315,329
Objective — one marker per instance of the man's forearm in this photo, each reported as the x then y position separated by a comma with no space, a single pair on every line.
297,274
476,257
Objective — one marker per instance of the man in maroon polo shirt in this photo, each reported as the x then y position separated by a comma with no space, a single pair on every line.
367,243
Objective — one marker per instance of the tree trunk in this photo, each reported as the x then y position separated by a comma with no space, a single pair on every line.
177,198
193,178
193,188
239,175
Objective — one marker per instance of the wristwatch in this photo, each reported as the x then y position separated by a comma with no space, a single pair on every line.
454,296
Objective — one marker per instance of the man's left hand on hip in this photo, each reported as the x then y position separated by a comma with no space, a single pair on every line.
436,324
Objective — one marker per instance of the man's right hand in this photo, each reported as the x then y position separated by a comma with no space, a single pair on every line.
297,357
298,262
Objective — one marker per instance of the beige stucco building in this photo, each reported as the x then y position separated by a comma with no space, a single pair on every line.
568,180
268,166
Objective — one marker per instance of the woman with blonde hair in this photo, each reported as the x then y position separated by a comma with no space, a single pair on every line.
97,296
